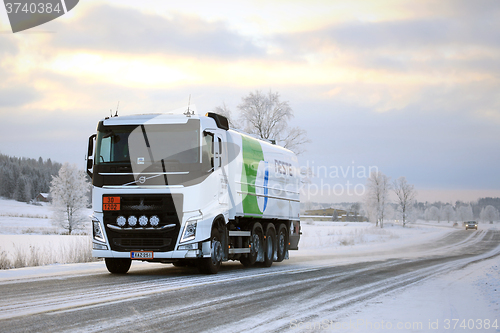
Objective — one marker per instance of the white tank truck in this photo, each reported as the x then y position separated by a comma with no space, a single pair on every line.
186,189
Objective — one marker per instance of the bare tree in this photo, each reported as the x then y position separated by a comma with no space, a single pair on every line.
377,196
448,213
489,213
265,116
406,195
226,112
69,197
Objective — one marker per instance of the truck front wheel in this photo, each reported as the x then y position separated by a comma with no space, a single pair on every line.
211,265
118,265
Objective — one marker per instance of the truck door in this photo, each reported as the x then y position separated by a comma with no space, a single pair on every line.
220,166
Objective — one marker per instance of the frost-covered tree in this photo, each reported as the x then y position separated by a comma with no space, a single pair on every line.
355,208
447,213
433,213
405,194
427,214
265,116
390,213
69,197
414,214
226,112
464,213
489,213
377,196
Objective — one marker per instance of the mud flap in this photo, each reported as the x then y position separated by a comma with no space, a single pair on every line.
294,235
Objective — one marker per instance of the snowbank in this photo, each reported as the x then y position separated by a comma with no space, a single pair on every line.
462,300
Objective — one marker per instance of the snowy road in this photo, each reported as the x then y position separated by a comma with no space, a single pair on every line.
164,298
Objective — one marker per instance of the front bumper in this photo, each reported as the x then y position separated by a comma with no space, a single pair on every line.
157,256
199,247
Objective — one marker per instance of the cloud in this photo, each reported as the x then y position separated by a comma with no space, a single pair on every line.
457,31
7,45
17,96
421,33
115,29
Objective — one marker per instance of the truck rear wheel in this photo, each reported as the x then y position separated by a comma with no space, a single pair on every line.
211,265
269,245
281,242
118,265
256,246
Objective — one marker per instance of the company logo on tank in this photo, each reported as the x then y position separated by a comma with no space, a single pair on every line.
261,185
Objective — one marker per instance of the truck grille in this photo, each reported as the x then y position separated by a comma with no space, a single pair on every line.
151,236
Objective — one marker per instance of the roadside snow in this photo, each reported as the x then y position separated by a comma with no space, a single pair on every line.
462,300
347,238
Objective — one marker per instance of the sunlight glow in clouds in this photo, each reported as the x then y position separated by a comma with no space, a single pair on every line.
409,86
144,71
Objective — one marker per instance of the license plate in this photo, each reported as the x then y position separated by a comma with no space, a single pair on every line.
141,255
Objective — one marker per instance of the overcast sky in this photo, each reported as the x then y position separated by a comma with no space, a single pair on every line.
409,87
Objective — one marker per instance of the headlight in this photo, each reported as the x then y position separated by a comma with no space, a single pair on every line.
189,231
97,231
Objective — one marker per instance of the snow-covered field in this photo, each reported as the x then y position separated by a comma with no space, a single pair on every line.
29,238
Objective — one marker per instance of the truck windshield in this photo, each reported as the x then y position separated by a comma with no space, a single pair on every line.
149,144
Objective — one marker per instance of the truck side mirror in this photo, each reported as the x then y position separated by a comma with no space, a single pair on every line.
90,152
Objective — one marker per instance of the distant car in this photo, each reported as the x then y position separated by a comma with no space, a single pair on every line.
470,225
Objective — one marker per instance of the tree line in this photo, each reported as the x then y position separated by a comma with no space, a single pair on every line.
485,209
378,206
22,179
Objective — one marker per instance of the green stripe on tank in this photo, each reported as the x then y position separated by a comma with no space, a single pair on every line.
252,155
